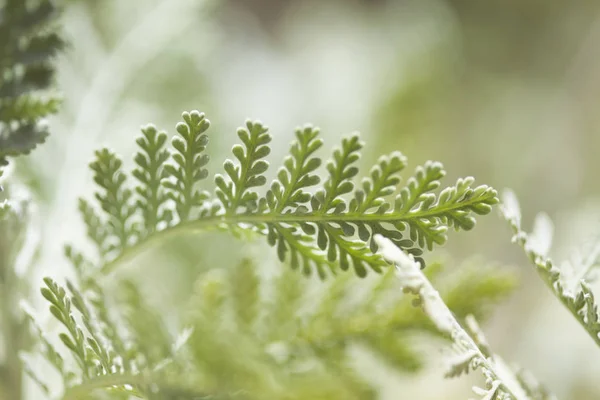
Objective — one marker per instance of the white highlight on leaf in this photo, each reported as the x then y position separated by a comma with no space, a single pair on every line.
182,338
540,239
510,206
279,351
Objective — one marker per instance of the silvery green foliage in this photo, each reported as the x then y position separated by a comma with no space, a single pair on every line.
238,339
570,284
15,247
28,46
313,225
532,387
29,43
471,351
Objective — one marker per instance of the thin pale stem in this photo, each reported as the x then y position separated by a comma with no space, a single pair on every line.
564,300
415,281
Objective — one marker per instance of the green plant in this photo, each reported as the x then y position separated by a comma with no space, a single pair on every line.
311,231
237,340
244,334
470,349
29,42
570,283
317,230
28,45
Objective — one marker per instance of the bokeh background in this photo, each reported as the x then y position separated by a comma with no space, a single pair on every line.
504,90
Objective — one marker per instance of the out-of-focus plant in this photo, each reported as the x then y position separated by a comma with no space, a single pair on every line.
570,282
29,42
28,45
270,350
470,350
245,335
238,343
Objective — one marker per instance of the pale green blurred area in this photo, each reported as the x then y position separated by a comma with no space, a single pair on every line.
506,91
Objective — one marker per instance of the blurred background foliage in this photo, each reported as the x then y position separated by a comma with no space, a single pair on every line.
502,90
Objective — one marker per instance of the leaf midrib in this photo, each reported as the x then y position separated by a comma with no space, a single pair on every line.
206,223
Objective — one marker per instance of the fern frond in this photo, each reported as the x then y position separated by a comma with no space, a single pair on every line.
97,347
116,202
297,172
149,173
96,316
93,351
188,164
275,336
60,307
580,300
20,140
29,44
28,108
315,231
237,192
101,355
416,196
382,182
287,194
341,171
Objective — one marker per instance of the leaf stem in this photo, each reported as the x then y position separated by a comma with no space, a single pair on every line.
213,222
416,282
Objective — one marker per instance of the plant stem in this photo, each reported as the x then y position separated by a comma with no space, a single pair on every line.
415,281
213,222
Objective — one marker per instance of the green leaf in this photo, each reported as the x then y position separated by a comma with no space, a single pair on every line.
297,173
115,199
150,170
20,140
575,296
186,168
29,43
313,232
341,171
28,108
248,173
61,309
